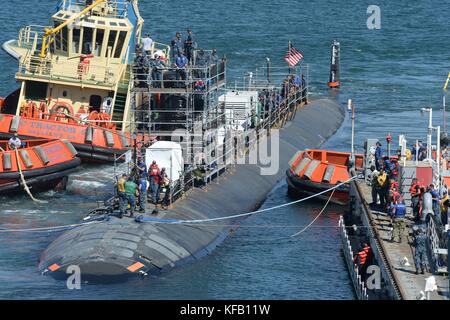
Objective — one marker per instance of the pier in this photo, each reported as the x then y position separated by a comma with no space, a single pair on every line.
399,280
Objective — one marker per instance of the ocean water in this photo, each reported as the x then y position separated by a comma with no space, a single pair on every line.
388,73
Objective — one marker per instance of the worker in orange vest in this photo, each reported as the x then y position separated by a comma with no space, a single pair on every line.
368,250
360,259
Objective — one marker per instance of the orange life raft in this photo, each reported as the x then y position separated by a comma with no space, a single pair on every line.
44,164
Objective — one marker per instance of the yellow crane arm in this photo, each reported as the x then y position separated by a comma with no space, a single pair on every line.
49,32
446,82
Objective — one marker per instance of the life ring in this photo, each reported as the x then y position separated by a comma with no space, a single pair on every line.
93,117
106,117
66,113
102,119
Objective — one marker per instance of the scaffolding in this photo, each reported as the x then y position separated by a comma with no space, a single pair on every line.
189,106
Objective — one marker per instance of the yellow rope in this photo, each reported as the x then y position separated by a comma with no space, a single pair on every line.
25,186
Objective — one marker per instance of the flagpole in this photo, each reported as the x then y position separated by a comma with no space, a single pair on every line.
289,51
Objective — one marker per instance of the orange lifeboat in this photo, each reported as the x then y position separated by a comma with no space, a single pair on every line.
313,171
44,164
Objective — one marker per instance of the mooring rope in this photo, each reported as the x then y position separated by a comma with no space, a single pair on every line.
314,220
241,215
25,186
197,222
292,236
49,229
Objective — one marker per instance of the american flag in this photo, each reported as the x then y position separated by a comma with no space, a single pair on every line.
293,56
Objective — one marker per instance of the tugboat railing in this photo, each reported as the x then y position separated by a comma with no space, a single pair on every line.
358,283
92,74
30,36
116,8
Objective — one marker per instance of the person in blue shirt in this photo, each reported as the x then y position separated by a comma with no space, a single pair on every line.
143,186
398,213
181,64
435,196
157,70
420,252
378,156
142,168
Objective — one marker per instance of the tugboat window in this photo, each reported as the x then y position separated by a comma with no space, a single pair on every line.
64,33
57,37
87,41
99,42
120,43
76,41
112,38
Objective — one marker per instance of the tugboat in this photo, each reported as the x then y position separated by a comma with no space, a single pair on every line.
314,171
75,79
40,164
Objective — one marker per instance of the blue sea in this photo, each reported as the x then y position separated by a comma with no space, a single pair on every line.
388,73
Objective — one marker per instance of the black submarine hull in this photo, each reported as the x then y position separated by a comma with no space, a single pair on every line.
122,248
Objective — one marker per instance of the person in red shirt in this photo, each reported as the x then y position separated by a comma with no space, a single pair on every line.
154,174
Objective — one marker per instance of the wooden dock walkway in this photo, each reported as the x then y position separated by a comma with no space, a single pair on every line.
408,282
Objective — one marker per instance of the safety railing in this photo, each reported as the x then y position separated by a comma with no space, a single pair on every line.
30,36
69,70
192,79
437,252
358,283
111,8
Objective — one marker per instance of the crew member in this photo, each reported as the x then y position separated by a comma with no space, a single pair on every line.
154,174
360,259
445,200
383,190
420,252
143,187
83,65
121,194
176,45
368,250
374,185
378,156
398,213
131,192
142,168
181,64
253,119
158,67
164,183
141,69
214,57
147,45
190,45
14,142
414,191
435,196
